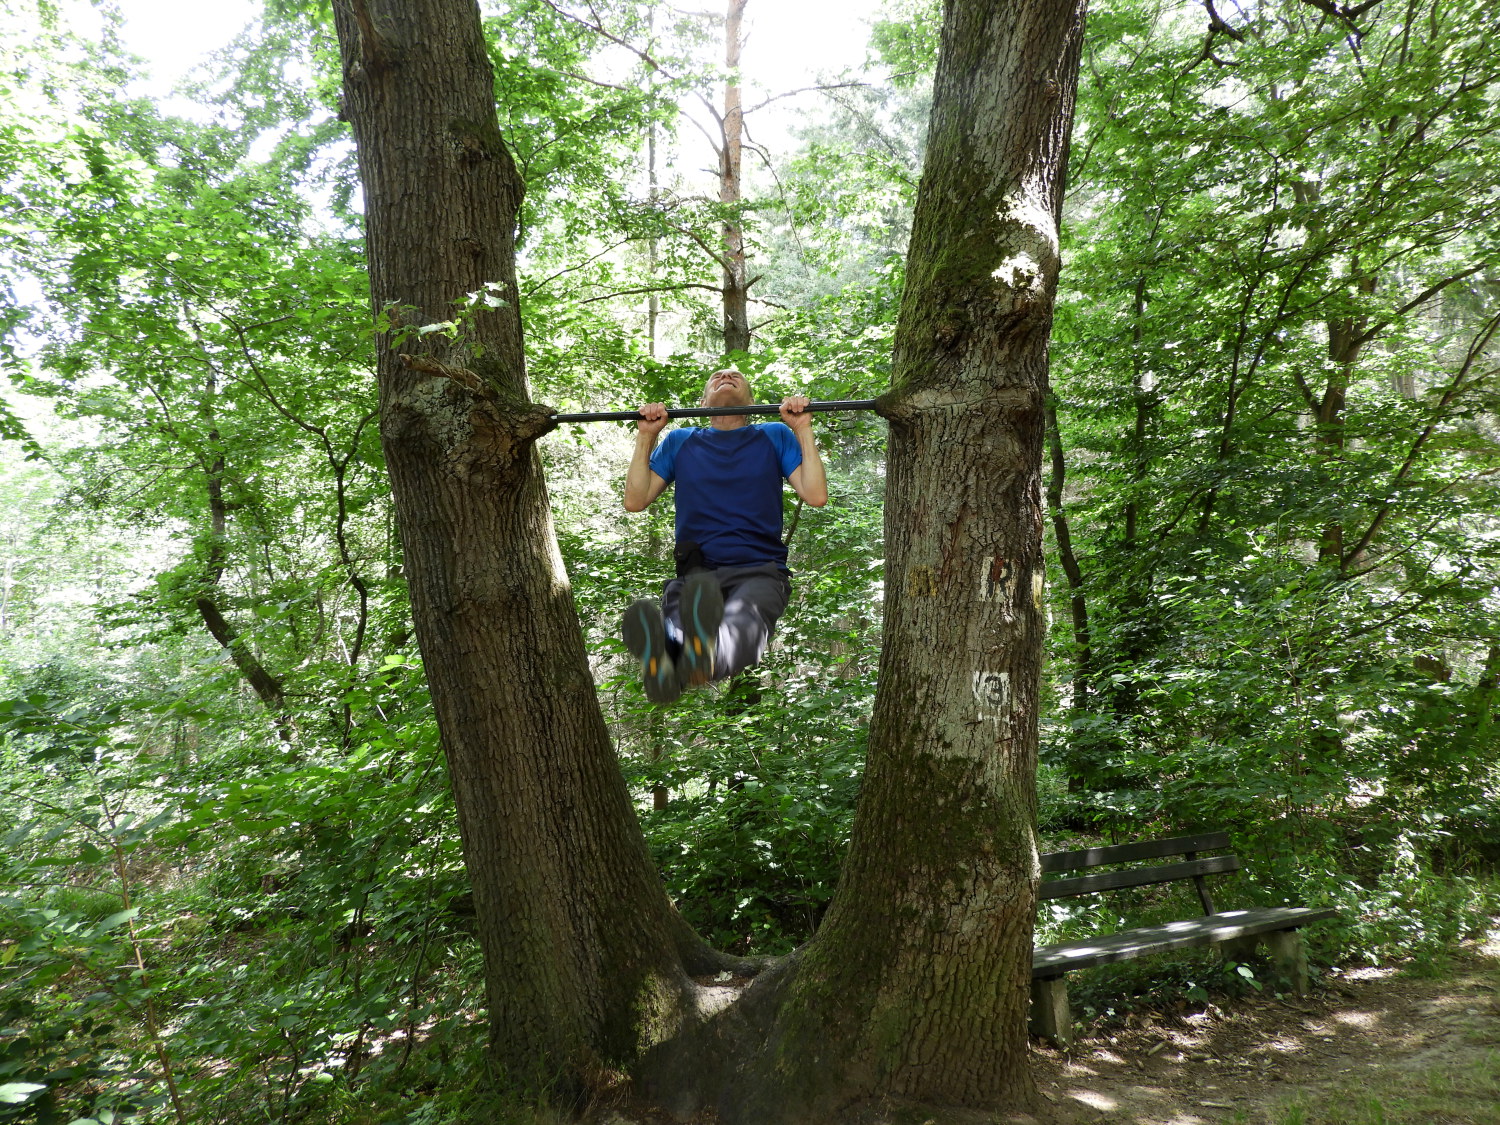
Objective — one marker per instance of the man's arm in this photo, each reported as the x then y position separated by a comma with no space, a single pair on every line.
809,480
642,485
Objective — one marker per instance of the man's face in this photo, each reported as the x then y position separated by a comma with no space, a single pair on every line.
727,388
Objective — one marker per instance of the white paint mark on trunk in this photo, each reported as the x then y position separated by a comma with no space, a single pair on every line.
996,577
992,693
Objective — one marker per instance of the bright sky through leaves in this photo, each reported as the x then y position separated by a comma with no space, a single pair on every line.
173,36
789,43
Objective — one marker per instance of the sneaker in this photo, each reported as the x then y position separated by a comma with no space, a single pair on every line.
646,638
701,609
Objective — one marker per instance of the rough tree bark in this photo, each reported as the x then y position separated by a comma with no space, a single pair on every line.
586,960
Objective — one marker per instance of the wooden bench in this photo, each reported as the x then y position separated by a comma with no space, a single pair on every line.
1235,931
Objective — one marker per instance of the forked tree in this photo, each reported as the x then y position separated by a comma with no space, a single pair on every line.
914,990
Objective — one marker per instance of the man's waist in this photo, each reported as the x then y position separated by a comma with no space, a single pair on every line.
720,554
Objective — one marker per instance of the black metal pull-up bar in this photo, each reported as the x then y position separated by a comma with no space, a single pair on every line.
716,411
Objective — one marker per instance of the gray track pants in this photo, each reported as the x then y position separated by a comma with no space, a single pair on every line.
754,597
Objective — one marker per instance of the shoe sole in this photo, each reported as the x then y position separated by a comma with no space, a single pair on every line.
702,609
646,638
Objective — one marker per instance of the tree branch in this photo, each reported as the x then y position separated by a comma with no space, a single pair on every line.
717,144
652,289
1346,14
806,90
718,257
1481,341
1420,299
584,78
571,269
902,158
597,27
1404,612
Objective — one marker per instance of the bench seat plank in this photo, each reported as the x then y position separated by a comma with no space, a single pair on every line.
1055,960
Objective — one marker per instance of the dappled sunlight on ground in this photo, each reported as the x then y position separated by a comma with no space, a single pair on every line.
1093,1099
1247,1061
1076,1068
1283,1045
1369,972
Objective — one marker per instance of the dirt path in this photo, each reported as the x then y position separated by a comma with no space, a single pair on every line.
1427,1044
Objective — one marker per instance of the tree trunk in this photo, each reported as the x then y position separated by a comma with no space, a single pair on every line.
1062,534
736,277
268,688
1145,406
1346,340
915,990
653,195
1079,761
585,958
653,247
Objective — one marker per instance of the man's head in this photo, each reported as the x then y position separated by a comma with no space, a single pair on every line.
727,388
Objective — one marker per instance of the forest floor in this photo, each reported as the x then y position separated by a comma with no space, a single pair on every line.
1368,1047
1412,1045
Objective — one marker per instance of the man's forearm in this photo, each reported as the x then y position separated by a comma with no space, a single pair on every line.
814,477
638,476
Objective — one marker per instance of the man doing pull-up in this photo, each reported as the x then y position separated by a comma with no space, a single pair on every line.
716,617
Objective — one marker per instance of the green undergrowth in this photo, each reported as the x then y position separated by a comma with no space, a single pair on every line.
204,939
306,935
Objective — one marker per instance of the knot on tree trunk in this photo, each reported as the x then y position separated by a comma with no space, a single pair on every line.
528,421
490,424
375,54
1023,274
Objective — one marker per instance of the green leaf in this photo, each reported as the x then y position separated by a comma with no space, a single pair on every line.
17,1093
115,920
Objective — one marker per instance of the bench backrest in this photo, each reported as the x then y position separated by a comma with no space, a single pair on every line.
1190,867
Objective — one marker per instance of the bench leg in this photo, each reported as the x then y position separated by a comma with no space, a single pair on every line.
1050,1017
1285,947
1239,950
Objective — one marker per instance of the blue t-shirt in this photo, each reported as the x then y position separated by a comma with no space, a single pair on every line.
729,489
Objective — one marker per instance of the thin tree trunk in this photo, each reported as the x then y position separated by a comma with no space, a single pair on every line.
1134,573
1346,340
1078,764
1461,381
736,278
1477,725
268,688
1062,534
1145,404
653,245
